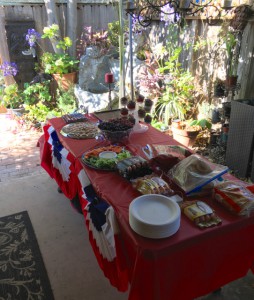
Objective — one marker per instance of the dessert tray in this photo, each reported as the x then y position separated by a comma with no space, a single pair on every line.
80,130
105,158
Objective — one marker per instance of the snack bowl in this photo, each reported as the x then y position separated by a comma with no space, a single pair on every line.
116,136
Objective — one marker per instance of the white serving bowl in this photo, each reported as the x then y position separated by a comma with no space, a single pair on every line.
108,154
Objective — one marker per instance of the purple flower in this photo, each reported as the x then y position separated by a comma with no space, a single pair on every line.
137,28
9,69
32,37
168,14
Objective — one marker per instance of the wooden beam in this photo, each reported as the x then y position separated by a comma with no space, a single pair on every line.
27,2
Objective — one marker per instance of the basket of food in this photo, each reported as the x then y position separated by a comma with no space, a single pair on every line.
116,130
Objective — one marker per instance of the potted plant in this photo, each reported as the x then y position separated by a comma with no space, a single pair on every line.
219,88
186,134
203,123
232,58
62,66
177,97
189,130
99,42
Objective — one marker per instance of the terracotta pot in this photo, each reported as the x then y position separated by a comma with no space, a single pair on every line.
3,109
176,123
225,129
65,80
185,137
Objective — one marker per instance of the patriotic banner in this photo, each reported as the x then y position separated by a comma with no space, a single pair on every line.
100,218
103,232
59,163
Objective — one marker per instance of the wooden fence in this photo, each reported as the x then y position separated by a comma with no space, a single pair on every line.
206,64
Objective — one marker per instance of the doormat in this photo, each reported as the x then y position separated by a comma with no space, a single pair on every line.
22,271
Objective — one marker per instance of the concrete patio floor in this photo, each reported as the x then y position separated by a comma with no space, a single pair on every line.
62,236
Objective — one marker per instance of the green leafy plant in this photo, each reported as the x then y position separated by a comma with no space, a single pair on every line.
58,63
39,113
34,93
203,123
40,104
203,119
12,96
178,96
231,42
113,33
55,63
66,100
159,125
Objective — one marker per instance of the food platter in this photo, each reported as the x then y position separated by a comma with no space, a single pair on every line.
95,160
80,130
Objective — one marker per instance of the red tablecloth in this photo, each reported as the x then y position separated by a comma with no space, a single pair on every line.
189,264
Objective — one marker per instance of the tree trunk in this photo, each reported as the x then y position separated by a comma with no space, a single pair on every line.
72,24
52,19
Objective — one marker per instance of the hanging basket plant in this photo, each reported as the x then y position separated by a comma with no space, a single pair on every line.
241,15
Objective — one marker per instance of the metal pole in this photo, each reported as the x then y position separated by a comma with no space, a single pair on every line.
121,50
131,56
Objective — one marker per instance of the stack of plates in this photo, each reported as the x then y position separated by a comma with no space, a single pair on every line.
154,216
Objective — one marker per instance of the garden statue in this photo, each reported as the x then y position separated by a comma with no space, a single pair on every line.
91,91
92,69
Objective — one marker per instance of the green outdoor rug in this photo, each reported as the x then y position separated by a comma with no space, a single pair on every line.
22,272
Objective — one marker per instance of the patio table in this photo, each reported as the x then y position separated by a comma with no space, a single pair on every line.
189,264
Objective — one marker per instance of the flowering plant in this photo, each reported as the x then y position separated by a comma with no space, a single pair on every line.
90,38
9,68
54,63
137,28
32,36
168,15
151,82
